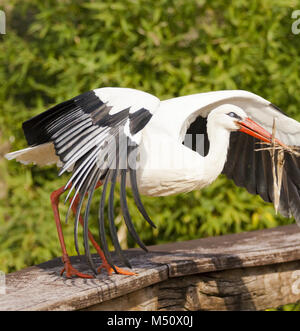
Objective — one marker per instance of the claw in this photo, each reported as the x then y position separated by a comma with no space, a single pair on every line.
71,271
120,271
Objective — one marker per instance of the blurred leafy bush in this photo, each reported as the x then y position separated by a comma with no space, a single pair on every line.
54,50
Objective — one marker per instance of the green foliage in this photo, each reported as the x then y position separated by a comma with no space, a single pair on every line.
290,307
54,50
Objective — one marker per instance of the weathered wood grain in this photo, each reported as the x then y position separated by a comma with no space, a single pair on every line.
253,288
247,249
228,261
145,299
41,288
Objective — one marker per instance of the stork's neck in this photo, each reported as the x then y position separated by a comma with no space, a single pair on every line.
215,160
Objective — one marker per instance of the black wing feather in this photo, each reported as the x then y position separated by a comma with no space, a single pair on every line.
111,218
102,226
134,186
126,213
259,178
90,191
83,132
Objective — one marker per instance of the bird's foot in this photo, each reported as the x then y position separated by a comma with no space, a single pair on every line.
71,271
106,265
109,270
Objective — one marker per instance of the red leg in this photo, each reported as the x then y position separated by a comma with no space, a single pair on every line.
104,264
70,270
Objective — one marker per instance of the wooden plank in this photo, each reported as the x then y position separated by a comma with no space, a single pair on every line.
247,249
41,288
145,299
254,288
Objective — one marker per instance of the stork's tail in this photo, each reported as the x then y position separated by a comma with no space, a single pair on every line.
40,155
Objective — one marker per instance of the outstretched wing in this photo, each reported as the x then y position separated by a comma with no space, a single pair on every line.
247,167
97,134
253,169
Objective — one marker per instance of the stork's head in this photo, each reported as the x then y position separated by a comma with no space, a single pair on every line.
233,118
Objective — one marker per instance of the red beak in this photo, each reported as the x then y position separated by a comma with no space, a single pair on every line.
253,129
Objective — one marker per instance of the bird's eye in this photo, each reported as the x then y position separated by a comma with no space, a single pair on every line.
232,114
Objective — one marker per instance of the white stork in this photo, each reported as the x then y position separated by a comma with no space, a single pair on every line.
116,134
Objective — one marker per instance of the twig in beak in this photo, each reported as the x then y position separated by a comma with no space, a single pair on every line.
277,168
278,162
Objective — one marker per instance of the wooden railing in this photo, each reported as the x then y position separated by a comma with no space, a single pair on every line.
247,271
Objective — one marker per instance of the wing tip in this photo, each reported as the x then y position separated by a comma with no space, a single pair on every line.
277,108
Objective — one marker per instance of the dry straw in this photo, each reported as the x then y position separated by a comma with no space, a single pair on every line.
277,153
